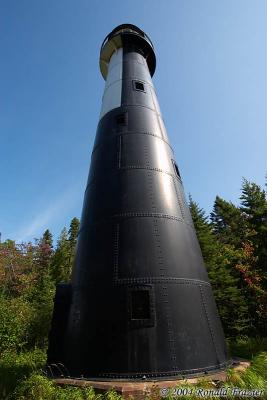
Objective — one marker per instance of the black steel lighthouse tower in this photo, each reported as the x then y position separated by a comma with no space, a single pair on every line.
140,302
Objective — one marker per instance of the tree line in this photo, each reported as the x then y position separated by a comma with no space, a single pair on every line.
234,247
29,273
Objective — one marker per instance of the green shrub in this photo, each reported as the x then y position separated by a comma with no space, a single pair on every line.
38,387
247,347
15,316
16,367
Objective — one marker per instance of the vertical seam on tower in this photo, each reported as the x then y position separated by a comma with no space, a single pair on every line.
164,296
146,156
122,76
151,87
116,254
186,209
162,288
119,152
179,200
209,322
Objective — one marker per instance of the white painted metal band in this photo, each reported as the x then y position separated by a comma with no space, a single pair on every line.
112,95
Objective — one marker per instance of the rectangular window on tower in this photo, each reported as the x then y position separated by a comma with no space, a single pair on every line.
140,304
137,85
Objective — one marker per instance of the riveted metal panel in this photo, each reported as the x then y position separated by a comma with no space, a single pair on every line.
164,256
146,151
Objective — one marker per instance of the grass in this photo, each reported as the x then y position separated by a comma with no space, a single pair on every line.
21,377
246,347
254,377
38,387
16,367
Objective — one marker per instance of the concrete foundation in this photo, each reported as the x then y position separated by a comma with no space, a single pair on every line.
141,389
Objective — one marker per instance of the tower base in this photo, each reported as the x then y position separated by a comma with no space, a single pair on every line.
141,389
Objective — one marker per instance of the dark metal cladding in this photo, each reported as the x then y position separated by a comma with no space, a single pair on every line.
140,302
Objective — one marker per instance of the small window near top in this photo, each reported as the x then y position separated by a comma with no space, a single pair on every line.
176,169
139,86
140,304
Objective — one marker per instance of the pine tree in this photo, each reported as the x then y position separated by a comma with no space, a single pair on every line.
72,237
230,298
219,259
60,265
44,248
228,222
203,229
254,206
251,283
47,238
254,268
73,231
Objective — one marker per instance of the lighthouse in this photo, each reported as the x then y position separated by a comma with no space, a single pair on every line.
139,303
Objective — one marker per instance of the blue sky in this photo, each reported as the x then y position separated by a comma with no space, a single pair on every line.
211,85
